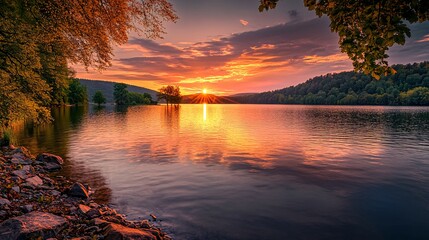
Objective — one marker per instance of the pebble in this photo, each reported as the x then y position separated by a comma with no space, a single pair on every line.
4,201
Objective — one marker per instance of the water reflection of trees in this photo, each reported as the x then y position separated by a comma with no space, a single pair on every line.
171,117
55,138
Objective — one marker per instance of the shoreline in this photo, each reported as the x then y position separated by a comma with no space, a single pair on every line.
36,205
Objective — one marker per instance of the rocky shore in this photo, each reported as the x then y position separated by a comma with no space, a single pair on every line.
34,204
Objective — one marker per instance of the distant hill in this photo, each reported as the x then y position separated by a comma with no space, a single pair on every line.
107,89
409,86
206,98
241,94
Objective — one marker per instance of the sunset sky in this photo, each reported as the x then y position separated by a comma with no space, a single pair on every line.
229,47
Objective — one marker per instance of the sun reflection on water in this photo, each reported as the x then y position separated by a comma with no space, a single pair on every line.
205,111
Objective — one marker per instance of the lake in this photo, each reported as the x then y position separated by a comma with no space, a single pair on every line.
252,171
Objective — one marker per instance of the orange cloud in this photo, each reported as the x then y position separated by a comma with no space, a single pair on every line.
326,59
251,61
244,22
424,39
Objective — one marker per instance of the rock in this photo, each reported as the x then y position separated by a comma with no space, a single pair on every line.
145,224
55,192
3,214
94,205
4,201
92,229
83,208
50,158
28,168
93,213
51,162
27,208
98,221
16,189
32,226
119,232
23,174
21,160
51,167
22,151
34,181
78,190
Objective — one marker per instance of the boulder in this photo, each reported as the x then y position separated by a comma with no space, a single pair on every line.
4,201
50,158
78,190
51,162
93,213
23,174
51,167
119,232
19,159
22,151
27,208
34,181
32,225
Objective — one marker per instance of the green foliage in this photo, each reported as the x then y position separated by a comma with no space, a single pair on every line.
171,94
137,99
120,93
99,98
123,97
417,96
77,93
39,38
367,29
108,88
408,86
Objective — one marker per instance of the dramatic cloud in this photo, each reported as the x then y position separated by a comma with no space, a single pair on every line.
244,22
260,60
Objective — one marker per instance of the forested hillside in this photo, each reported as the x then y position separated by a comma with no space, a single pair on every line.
409,86
107,89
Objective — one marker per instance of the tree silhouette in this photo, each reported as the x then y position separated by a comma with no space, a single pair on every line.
171,94
120,93
78,93
99,98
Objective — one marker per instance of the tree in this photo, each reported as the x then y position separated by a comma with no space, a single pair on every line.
407,87
39,38
120,93
171,94
99,98
137,98
77,93
367,29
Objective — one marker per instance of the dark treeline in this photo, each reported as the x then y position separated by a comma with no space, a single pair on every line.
124,97
409,86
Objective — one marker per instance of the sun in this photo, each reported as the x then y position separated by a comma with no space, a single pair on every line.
205,91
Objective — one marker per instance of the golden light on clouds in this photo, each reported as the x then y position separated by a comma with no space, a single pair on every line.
244,22
326,59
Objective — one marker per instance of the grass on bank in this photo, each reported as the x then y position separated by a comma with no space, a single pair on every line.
7,138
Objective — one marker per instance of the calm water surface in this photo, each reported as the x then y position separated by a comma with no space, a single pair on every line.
253,171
